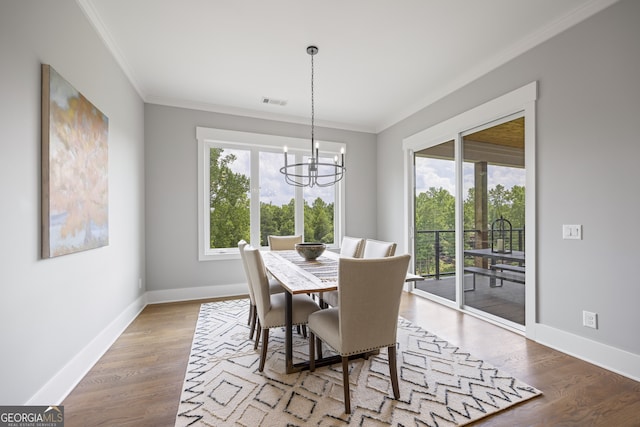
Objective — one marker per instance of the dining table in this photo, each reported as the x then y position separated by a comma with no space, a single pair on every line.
516,256
300,276
516,274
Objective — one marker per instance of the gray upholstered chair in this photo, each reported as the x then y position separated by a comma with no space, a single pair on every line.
274,288
352,247
368,249
271,307
283,243
378,249
366,318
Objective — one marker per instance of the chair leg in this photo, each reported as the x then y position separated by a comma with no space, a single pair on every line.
255,345
253,314
312,359
393,370
304,331
345,380
319,347
265,344
250,313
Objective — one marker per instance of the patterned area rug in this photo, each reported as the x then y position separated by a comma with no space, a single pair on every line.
440,385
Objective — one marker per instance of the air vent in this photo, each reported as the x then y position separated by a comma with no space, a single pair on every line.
273,101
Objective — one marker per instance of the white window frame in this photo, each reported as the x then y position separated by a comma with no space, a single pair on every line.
210,137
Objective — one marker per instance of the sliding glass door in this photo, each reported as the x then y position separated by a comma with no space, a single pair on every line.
494,221
471,210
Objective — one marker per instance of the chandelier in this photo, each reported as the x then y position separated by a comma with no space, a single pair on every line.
314,172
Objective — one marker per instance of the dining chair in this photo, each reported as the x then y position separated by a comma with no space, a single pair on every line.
352,247
283,243
378,249
274,288
369,249
271,307
366,286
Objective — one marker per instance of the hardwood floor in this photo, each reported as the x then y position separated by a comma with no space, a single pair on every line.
138,381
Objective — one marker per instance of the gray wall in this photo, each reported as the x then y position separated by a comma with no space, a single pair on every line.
171,195
587,172
50,310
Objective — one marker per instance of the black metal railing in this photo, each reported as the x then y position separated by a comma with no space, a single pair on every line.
435,250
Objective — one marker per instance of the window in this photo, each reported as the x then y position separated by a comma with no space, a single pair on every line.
242,194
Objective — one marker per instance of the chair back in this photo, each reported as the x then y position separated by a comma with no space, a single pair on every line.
242,244
284,243
369,292
258,279
352,247
378,249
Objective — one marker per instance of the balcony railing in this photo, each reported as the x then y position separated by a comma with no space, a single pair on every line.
435,250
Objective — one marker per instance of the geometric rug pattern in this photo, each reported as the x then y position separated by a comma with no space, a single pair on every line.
440,384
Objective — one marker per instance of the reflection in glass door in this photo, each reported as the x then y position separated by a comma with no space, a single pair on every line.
494,222
435,239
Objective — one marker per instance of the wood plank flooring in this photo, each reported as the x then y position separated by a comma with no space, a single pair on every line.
138,381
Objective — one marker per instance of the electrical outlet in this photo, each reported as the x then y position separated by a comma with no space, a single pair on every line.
572,232
589,319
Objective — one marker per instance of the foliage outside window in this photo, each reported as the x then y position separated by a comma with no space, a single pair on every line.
247,198
435,213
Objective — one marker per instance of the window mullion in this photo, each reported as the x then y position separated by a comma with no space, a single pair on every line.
254,186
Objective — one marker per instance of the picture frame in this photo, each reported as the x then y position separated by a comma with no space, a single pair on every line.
75,181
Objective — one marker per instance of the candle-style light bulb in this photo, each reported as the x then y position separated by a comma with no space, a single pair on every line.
285,148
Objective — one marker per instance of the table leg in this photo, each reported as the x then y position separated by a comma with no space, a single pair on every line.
288,334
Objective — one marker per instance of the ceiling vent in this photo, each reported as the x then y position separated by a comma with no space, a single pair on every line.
273,101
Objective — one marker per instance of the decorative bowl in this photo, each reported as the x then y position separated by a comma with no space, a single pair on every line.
310,251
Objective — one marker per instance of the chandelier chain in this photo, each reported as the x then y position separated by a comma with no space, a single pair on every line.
312,106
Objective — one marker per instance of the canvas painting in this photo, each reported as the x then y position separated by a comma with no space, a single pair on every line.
75,196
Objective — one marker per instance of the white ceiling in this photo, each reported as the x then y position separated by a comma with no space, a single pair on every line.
378,61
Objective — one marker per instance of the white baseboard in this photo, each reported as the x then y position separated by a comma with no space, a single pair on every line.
63,382
607,357
201,292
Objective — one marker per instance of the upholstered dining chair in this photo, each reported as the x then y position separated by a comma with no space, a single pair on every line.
283,243
378,249
366,286
274,288
271,307
368,249
352,247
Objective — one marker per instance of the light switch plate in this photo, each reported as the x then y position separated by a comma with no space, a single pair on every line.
572,232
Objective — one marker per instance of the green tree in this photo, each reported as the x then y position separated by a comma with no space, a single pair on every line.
515,197
276,220
229,202
318,221
498,202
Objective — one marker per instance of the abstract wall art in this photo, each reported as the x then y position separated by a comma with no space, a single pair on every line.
75,184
